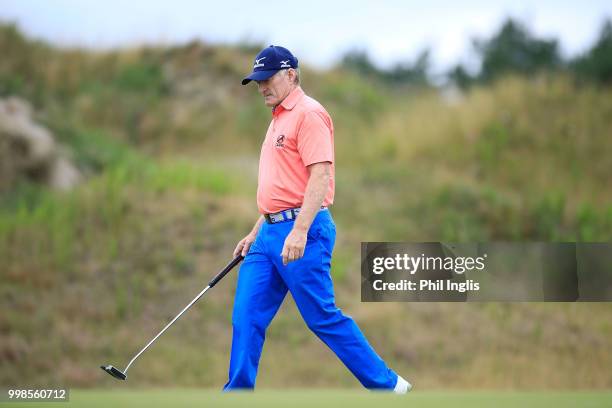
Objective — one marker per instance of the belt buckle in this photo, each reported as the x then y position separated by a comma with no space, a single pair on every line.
284,215
277,217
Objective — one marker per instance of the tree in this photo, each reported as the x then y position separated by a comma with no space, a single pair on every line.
359,61
596,63
413,73
460,77
515,50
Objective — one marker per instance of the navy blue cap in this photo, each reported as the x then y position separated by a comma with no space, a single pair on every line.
269,61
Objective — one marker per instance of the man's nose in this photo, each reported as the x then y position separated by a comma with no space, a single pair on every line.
262,87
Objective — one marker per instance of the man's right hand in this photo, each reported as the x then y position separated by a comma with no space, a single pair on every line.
244,245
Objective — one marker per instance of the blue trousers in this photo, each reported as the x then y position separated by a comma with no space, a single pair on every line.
263,282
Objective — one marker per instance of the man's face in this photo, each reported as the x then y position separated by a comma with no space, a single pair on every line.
276,88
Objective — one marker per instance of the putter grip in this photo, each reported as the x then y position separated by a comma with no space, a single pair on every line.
224,272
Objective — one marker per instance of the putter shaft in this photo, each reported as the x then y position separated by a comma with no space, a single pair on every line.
111,370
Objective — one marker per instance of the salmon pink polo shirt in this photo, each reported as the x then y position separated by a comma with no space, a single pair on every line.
301,133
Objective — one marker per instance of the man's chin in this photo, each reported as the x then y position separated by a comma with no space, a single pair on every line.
270,103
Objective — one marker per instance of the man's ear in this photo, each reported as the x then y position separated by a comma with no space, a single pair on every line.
292,74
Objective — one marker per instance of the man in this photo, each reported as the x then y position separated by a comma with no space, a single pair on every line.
290,246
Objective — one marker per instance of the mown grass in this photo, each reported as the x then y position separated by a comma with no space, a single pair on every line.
331,398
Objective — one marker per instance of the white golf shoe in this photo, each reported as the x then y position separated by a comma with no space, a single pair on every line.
402,386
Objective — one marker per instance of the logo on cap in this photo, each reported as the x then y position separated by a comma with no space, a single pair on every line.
285,64
257,63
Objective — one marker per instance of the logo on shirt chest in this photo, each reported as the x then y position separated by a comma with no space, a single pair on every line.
280,141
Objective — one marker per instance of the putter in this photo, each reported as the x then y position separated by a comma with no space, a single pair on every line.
122,375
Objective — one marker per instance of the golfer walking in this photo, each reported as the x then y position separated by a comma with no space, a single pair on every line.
290,247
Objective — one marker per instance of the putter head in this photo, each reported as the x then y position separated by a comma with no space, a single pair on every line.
114,372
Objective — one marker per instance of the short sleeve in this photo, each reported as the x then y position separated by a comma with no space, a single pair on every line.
314,139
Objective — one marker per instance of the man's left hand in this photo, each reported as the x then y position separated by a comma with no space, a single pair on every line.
294,246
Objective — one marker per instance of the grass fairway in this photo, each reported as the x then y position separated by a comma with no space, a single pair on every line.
330,398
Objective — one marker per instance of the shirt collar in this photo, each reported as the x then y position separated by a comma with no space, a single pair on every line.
292,99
